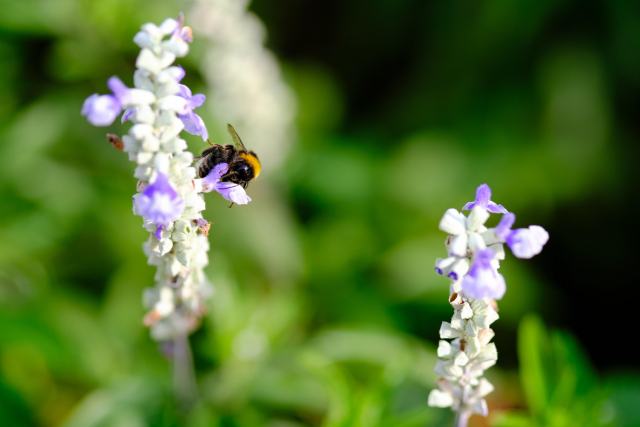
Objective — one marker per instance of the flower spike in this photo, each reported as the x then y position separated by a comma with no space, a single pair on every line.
474,255
169,197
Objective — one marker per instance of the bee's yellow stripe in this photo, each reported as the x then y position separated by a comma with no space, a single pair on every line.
253,161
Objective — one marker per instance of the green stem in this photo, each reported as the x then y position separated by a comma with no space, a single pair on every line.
184,378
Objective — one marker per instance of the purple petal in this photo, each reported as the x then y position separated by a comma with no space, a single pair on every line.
229,190
194,125
160,203
483,195
483,281
159,233
214,176
494,208
539,234
527,242
181,75
127,114
504,226
88,103
184,92
101,110
485,284
161,185
233,192
196,101
119,89
483,199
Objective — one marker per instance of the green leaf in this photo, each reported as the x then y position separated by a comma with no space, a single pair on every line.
536,367
571,357
512,419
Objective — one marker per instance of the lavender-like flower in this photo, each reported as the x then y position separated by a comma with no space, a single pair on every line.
483,280
160,203
474,255
102,110
193,123
229,190
483,199
523,242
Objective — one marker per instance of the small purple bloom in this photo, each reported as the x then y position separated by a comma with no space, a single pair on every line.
160,203
484,281
483,199
233,192
102,110
193,123
527,242
523,242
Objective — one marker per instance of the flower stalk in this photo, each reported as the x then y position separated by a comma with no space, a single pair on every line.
474,255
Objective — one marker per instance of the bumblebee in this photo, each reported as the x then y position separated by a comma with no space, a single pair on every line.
244,165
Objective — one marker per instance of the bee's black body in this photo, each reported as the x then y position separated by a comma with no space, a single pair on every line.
243,164
240,170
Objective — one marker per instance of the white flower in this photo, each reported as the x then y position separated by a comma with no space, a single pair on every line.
452,267
465,231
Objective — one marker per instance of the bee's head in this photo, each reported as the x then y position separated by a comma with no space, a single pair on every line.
251,160
243,172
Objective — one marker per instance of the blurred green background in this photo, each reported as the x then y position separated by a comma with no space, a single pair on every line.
327,309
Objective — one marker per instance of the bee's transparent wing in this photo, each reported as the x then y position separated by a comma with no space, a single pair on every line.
234,135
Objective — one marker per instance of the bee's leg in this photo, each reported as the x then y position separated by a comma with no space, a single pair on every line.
228,175
231,204
208,142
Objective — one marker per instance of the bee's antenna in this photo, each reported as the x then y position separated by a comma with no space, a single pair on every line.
231,204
